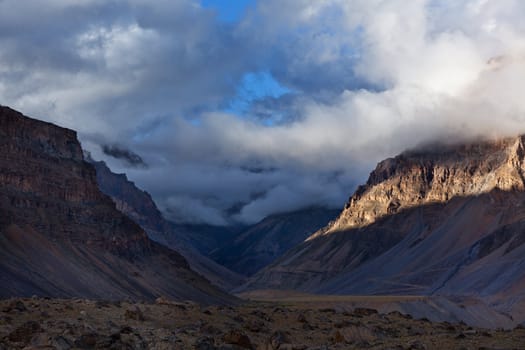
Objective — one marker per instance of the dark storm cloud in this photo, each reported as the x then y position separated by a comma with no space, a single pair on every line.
366,79
129,157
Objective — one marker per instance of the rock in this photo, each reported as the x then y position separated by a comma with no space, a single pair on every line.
205,343
163,301
308,327
238,338
15,305
417,345
134,313
87,341
361,311
261,314
180,306
126,330
99,304
25,332
61,343
277,339
238,318
132,340
207,328
416,331
301,318
358,335
328,310
255,326
41,340
520,326
338,337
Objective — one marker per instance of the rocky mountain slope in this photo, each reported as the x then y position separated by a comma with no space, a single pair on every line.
60,236
443,220
140,207
265,241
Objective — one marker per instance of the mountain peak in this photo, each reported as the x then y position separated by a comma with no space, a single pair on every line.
433,174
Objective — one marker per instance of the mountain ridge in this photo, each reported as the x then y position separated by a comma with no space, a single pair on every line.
263,242
455,228
62,237
418,177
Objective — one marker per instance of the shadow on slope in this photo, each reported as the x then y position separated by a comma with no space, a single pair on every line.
469,246
262,243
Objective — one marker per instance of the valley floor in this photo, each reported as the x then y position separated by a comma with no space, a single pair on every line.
40,323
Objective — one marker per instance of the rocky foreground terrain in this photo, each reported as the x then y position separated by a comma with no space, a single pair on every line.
40,323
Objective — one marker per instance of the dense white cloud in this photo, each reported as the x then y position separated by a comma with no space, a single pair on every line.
370,78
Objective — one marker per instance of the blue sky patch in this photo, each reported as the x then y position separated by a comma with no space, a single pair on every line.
228,10
255,86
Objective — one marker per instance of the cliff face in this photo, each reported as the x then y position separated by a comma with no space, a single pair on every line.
434,175
444,220
61,236
140,207
46,185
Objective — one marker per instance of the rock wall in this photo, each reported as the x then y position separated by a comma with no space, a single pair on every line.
60,236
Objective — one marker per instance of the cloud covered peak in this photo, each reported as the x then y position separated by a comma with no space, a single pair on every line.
335,87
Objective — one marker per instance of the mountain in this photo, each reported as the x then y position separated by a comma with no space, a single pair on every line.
443,220
140,207
207,238
60,236
265,241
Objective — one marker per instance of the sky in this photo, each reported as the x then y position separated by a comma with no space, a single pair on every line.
230,111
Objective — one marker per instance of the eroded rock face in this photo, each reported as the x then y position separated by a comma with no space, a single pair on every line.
46,185
61,236
433,175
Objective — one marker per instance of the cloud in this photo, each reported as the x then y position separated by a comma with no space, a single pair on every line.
361,80
129,157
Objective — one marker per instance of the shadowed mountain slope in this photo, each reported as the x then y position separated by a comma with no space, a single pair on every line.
61,237
140,207
265,241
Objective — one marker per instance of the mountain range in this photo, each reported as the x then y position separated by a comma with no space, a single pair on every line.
444,220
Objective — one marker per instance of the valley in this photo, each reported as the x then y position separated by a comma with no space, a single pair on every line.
414,261
262,174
